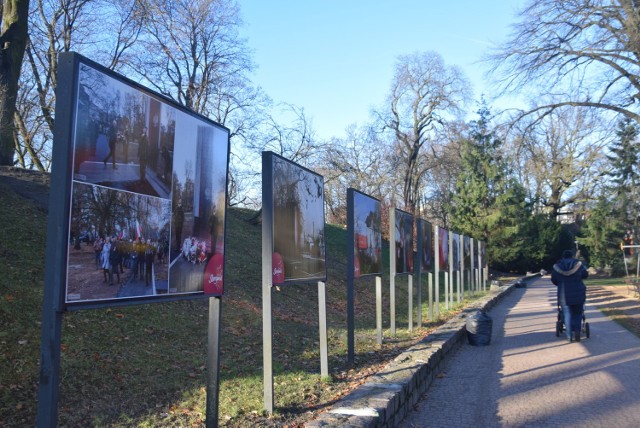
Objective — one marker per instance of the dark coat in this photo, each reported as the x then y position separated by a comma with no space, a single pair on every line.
114,255
568,274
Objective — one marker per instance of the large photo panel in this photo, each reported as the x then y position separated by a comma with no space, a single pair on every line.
443,248
367,229
427,253
148,194
404,242
298,222
455,251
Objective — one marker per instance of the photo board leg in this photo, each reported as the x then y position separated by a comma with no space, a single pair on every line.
213,361
322,314
379,308
410,300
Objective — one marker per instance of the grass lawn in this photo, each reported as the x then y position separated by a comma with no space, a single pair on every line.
144,366
605,281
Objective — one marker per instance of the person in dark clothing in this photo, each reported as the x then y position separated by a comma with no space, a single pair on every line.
115,258
143,153
113,139
568,275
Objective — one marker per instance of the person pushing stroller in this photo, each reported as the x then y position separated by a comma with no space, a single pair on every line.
567,275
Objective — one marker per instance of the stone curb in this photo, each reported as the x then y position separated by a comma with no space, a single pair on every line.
390,394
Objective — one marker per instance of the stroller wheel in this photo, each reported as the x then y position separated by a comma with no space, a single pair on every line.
586,329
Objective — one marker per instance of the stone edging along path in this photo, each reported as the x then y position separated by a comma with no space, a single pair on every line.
392,392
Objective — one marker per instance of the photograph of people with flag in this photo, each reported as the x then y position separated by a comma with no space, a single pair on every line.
148,194
124,252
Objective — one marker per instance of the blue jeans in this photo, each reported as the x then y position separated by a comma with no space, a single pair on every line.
572,318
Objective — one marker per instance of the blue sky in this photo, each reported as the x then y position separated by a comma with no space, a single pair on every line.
335,58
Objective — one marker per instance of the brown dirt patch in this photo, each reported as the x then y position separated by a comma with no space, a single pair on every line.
86,278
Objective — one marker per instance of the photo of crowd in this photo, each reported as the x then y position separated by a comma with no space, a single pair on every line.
148,194
118,246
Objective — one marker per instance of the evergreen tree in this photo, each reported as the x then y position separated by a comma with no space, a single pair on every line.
489,204
617,208
624,171
602,235
545,240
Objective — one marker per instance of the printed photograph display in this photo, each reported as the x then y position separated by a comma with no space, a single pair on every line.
427,251
404,242
367,235
443,248
148,195
466,251
298,222
455,242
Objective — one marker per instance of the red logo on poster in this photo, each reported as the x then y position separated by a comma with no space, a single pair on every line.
213,276
278,269
363,243
356,266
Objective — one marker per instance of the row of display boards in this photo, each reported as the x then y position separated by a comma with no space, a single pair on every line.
141,183
441,255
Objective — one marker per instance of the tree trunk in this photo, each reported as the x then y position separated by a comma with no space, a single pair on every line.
13,41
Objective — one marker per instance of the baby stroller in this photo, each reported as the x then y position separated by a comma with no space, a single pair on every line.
560,323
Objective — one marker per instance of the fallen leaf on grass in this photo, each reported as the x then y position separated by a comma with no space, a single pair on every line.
9,298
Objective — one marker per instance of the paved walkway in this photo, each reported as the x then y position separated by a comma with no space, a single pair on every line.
529,378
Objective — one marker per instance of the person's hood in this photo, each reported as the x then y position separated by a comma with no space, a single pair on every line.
567,267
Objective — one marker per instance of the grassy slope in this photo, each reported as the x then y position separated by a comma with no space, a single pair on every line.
145,365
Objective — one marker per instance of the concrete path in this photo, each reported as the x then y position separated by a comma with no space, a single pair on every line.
528,377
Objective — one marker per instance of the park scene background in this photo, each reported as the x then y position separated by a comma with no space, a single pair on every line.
522,158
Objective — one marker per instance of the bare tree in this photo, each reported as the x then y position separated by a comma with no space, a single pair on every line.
581,53
360,161
289,132
13,40
425,95
191,51
559,156
436,194
62,26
